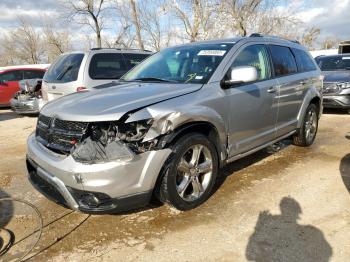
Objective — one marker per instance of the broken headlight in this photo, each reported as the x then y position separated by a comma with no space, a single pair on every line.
113,141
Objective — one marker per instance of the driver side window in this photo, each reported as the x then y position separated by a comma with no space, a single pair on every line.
256,56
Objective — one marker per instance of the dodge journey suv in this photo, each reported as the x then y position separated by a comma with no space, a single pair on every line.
169,124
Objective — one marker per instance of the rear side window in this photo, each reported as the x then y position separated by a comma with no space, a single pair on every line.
304,61
283,60
132,60
11,76
256,56
31,74
65,69
107,66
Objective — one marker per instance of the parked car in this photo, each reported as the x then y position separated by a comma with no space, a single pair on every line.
169,124
336,86
77,71
10,77
28,100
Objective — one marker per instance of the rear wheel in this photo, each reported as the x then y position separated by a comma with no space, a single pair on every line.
189,175
307,133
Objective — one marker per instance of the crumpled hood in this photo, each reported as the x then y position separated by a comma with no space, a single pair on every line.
112,103
336,76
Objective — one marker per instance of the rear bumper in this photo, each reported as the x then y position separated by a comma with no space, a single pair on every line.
336,101
94,188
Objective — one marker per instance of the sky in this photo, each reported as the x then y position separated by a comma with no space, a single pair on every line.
332,17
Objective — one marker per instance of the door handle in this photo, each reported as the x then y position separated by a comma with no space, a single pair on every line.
272,89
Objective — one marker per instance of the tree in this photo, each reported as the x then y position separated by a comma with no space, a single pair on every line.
329,43
310,36
24,45
244,17
88,13
195,16
57,42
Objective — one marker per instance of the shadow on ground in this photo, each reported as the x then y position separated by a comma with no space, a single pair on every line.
7,115
6,213
344,169
281,238
335,111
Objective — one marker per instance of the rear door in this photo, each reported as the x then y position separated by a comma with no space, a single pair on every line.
63,77
291,88
253,106
9,85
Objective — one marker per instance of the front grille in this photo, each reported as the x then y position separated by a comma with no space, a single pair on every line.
59,135
70,125
330,88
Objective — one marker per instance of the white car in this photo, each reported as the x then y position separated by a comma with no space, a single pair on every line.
77,71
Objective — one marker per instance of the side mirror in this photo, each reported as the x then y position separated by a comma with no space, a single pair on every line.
3,82
240,75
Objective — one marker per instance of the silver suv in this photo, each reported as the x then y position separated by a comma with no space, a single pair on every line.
169,124
77,71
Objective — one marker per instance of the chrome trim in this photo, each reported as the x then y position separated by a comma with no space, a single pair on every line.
59,185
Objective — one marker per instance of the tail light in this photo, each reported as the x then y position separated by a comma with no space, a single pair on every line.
81,89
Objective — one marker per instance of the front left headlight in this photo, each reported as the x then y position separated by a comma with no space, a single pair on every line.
112,141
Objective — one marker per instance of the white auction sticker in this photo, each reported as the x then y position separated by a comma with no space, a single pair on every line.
212,52
346,58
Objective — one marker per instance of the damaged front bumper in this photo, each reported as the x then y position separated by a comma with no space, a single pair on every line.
30,105
94,188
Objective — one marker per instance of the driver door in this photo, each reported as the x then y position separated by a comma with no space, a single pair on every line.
9,85
253,106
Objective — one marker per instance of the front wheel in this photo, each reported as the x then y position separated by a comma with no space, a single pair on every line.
307,133
189,175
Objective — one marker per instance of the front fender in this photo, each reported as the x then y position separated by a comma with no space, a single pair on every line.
166,121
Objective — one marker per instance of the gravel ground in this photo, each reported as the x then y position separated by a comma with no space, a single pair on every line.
290,205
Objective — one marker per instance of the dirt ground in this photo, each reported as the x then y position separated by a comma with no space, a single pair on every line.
291,205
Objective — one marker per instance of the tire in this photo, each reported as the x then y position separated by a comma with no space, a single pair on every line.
306,135
184,182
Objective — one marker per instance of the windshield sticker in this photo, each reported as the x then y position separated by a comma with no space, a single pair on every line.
212,52
199,77
346,57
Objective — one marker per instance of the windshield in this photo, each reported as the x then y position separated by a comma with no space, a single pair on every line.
334,63
184,64
65,69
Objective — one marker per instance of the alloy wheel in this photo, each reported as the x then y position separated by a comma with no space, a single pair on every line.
194,172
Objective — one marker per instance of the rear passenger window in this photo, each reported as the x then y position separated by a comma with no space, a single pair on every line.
31,74
256,56
132,60
283,60
304,61
107,66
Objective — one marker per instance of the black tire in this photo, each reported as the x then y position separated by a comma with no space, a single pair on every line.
301,138
167,188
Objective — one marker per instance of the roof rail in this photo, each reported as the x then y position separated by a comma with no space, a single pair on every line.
273,36
121,49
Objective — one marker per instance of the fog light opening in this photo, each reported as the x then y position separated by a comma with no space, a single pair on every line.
90,200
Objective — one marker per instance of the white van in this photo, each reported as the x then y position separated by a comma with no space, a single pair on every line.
77,71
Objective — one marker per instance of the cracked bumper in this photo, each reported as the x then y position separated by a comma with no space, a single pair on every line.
120,184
